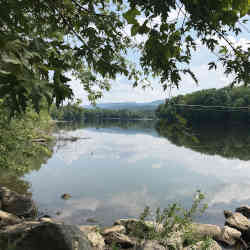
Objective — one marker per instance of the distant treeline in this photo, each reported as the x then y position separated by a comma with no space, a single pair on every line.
227,104
74,112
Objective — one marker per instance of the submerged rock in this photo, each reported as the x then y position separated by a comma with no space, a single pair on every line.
42,235
17,204
66,196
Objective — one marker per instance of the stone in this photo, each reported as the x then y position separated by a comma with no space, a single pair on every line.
114,229
88,228
93,235
175,240
151,245
96,239
238,221
46,219
8,219
135,226
205,230
17,204
212,245
120,240
43,235
244,210
229,235
226,234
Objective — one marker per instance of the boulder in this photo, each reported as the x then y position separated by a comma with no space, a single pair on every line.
151,245
17,204
114,229
245,210
93,235
229,235
226,234
43,235
205,230
8,219
238,221
211,245
120,240
138,227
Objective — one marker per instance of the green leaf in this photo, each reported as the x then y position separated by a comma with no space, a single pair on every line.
130,15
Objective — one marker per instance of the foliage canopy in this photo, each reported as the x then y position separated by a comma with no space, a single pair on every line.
43,43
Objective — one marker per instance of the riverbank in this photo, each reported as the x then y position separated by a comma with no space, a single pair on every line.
21,229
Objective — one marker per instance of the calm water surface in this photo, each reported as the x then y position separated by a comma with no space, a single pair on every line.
114,172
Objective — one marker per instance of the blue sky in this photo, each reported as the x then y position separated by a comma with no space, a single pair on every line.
122,90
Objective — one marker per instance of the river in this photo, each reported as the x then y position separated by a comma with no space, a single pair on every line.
117,168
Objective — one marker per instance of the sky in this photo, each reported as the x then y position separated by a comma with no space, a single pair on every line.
122,90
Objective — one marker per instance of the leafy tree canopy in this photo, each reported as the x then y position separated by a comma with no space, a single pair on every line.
42,41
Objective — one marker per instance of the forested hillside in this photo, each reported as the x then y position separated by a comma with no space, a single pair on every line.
227,104
74,112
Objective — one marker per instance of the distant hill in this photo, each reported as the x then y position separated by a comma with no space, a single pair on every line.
128,105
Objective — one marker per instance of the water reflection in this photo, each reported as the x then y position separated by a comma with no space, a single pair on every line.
227,140
116,172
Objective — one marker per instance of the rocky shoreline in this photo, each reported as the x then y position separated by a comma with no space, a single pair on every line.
20,229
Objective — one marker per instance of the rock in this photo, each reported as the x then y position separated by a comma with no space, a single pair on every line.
114,229
66,196
226,234
46,219
93,235
175,241
227,213
42,235
8,219
121,240
151,245
204,230
211,245
229,235
96,239
137,227
238,221
88,228
17,204
245,210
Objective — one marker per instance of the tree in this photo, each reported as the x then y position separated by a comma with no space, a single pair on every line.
43,42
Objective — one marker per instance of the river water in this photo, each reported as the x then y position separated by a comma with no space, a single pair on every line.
115,169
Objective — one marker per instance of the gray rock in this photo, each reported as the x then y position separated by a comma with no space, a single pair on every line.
42,235
17,204
121,240
151,245
8,219
95,238
245,210
114,229
229,235
212,245
226,234
238,221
